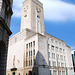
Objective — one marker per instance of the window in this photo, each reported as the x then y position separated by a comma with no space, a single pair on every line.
52,40
34,52
61,57
49,54
60,50
29,62
34,62
48,46
29,53
57,49
62,65
64,58
54,63
56,42
27,46
59,43
60,73
63,72
49,63
52,47
26,54
54,72
53,55
26,63
33,43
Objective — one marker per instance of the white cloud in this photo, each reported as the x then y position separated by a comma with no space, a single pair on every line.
54,10
73,48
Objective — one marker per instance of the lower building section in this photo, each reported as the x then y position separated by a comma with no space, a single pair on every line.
37,71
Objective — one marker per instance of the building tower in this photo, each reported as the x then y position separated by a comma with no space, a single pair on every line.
5,17
32,16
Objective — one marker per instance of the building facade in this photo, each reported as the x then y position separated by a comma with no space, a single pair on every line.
34,52
5,17
73,59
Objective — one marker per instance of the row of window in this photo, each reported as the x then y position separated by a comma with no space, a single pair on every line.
30,44
56,48
60,72
30,53
30,63
56,42
61,57
54,64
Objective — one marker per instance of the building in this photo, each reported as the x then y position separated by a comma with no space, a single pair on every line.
5,17
73,59
34,52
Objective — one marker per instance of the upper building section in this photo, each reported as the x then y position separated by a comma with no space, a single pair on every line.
6,11
32,16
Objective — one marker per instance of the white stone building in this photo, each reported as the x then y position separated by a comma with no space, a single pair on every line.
34,52
73,59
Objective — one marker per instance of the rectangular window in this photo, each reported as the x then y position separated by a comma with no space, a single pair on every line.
63,72
54,72
52,40
26,63
27,46
60,50
31,53
62,65
53,55
29,62
34,61
60,73
49,54
49,63
33,43
34,52
52,47
57,49
61,57
54,63
26,54
64,58
48,46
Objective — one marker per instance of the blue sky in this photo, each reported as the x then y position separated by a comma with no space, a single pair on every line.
59,18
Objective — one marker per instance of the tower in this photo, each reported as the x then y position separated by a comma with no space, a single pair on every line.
32,16
5,17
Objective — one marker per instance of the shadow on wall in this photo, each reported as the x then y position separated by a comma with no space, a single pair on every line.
2,58
40,65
